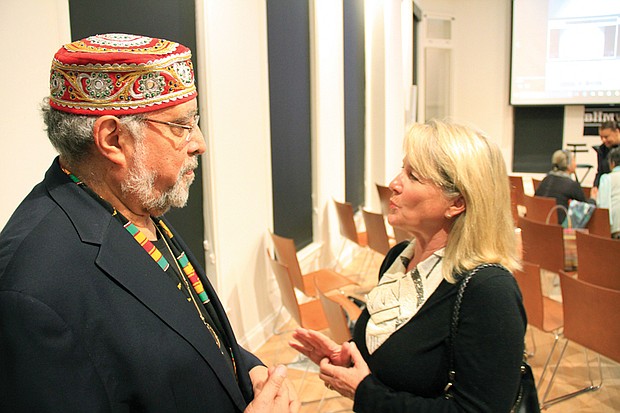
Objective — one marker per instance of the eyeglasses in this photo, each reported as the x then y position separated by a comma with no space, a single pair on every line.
187,128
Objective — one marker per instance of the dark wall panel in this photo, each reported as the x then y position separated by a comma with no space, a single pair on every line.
289,88
354,100
538,133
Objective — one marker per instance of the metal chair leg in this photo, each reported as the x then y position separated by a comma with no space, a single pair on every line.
275,330
546,403
556,338
533,352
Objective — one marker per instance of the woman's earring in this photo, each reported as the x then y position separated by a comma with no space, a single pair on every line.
448,216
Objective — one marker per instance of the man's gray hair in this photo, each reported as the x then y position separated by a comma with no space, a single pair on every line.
72,135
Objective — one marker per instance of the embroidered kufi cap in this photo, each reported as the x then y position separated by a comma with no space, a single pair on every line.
120,74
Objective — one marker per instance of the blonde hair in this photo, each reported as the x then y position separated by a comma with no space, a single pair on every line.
462,161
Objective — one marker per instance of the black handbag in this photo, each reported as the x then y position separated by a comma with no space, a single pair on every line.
527,399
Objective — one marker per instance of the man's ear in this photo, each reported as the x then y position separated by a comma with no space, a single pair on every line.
110,139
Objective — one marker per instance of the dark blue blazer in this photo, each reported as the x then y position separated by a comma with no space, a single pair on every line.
90,323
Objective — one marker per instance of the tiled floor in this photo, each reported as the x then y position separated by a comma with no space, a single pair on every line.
572,375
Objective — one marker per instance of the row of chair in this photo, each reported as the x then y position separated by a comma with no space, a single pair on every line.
312,313
375,238
324,306
319,286
536,183
543,209
589,293
582,318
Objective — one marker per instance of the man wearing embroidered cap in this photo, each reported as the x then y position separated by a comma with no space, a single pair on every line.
102,305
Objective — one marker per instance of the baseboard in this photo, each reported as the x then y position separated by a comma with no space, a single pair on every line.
258,336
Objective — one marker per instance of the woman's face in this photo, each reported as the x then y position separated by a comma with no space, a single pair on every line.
419,207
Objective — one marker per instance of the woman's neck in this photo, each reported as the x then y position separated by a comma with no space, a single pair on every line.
424,249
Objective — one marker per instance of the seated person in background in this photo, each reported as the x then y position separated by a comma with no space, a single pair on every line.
559,185
609,192
609,132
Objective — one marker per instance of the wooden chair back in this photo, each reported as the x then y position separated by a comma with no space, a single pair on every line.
385,193
543,244
587,312
599,260
536,183
308,315
538,208
529,284
376,232
586,191
346,221
542,312
337,308
514,207
599,223
516,186
286,254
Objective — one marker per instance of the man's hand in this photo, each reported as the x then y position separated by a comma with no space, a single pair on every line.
272,394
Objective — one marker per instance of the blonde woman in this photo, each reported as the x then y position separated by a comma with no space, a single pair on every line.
453,195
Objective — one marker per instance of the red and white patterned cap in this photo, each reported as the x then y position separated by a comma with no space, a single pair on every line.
120,74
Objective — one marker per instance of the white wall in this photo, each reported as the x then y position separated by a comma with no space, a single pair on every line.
32,31
235,102
388,80
327,103
482,75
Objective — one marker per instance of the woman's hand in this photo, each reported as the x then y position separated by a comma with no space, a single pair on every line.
345,379
317,346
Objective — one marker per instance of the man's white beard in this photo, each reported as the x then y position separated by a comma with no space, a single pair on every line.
141,184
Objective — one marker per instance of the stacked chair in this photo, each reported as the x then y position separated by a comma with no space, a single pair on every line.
599,223
287,263
536,183
587,310
540,209
323,306
349,232
599,260
517,193
543,313
340,312
378,239
384,197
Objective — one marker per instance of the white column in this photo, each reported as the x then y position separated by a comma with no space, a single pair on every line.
234,101
327,91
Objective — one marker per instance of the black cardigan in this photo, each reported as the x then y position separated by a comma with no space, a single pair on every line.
410,370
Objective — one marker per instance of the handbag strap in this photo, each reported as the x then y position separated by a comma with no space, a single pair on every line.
455,321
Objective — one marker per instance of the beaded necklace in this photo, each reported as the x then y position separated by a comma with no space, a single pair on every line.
180,258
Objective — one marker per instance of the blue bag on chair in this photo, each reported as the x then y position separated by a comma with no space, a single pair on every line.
579,214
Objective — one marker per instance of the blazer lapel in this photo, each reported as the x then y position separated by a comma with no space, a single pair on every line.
123,259
245,383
